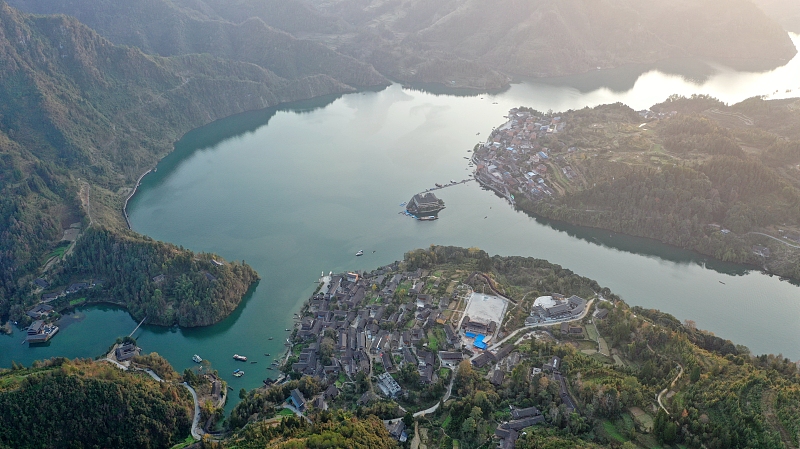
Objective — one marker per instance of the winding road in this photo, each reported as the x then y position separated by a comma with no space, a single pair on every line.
196,433
664,391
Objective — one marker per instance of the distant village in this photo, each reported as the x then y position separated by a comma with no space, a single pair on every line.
380,322
512,159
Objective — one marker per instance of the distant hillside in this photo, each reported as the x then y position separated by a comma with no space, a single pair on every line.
236,33
785,12
546,38
461,43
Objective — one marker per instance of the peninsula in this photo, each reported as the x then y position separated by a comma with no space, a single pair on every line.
453,348
690,172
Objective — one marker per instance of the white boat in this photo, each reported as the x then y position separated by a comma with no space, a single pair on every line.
238,373
240,358
197,358
360,252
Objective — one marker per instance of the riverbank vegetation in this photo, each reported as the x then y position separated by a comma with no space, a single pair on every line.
711,392
692,172
60,403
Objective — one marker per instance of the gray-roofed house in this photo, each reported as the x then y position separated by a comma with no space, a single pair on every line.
297,399
520,413
497,377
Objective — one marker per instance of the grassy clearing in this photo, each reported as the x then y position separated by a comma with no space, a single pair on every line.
75,302
446,421
58,251
612,432
591,332
188,441
284,412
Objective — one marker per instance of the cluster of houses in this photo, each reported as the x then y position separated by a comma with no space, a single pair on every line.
513,159
75,287
521,418
371,327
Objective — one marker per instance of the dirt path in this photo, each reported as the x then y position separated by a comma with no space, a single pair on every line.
767,405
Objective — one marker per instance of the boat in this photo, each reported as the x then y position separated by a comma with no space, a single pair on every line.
428,218
197,358
288,330
238,373
270,367
240,358
266,354
360,252
452,182
253,362
270,338
438,185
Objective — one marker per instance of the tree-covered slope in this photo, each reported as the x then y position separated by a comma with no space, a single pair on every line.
74,404
231,32
152,279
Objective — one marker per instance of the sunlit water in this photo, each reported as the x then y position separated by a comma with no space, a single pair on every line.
298,190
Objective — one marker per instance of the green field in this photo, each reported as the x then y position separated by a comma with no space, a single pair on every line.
58,251
188,441
613,432
76,301
591,332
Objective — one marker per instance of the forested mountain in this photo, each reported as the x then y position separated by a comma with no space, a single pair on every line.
69,404
474,43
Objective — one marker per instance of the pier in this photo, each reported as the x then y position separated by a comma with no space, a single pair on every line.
137,327
450,184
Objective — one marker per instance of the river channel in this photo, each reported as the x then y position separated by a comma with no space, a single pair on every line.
297,190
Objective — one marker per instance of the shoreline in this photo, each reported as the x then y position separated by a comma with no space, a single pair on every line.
135,189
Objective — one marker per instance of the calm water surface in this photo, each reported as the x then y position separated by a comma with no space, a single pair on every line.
297,190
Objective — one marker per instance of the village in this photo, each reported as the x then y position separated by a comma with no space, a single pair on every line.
515,157
407,332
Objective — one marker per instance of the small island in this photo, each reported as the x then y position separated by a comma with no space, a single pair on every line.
424,206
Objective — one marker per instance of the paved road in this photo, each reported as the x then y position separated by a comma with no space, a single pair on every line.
774,238
196,434
533,326
444,399
664,391
297,412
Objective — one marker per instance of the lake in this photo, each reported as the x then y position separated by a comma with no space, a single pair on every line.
297,190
